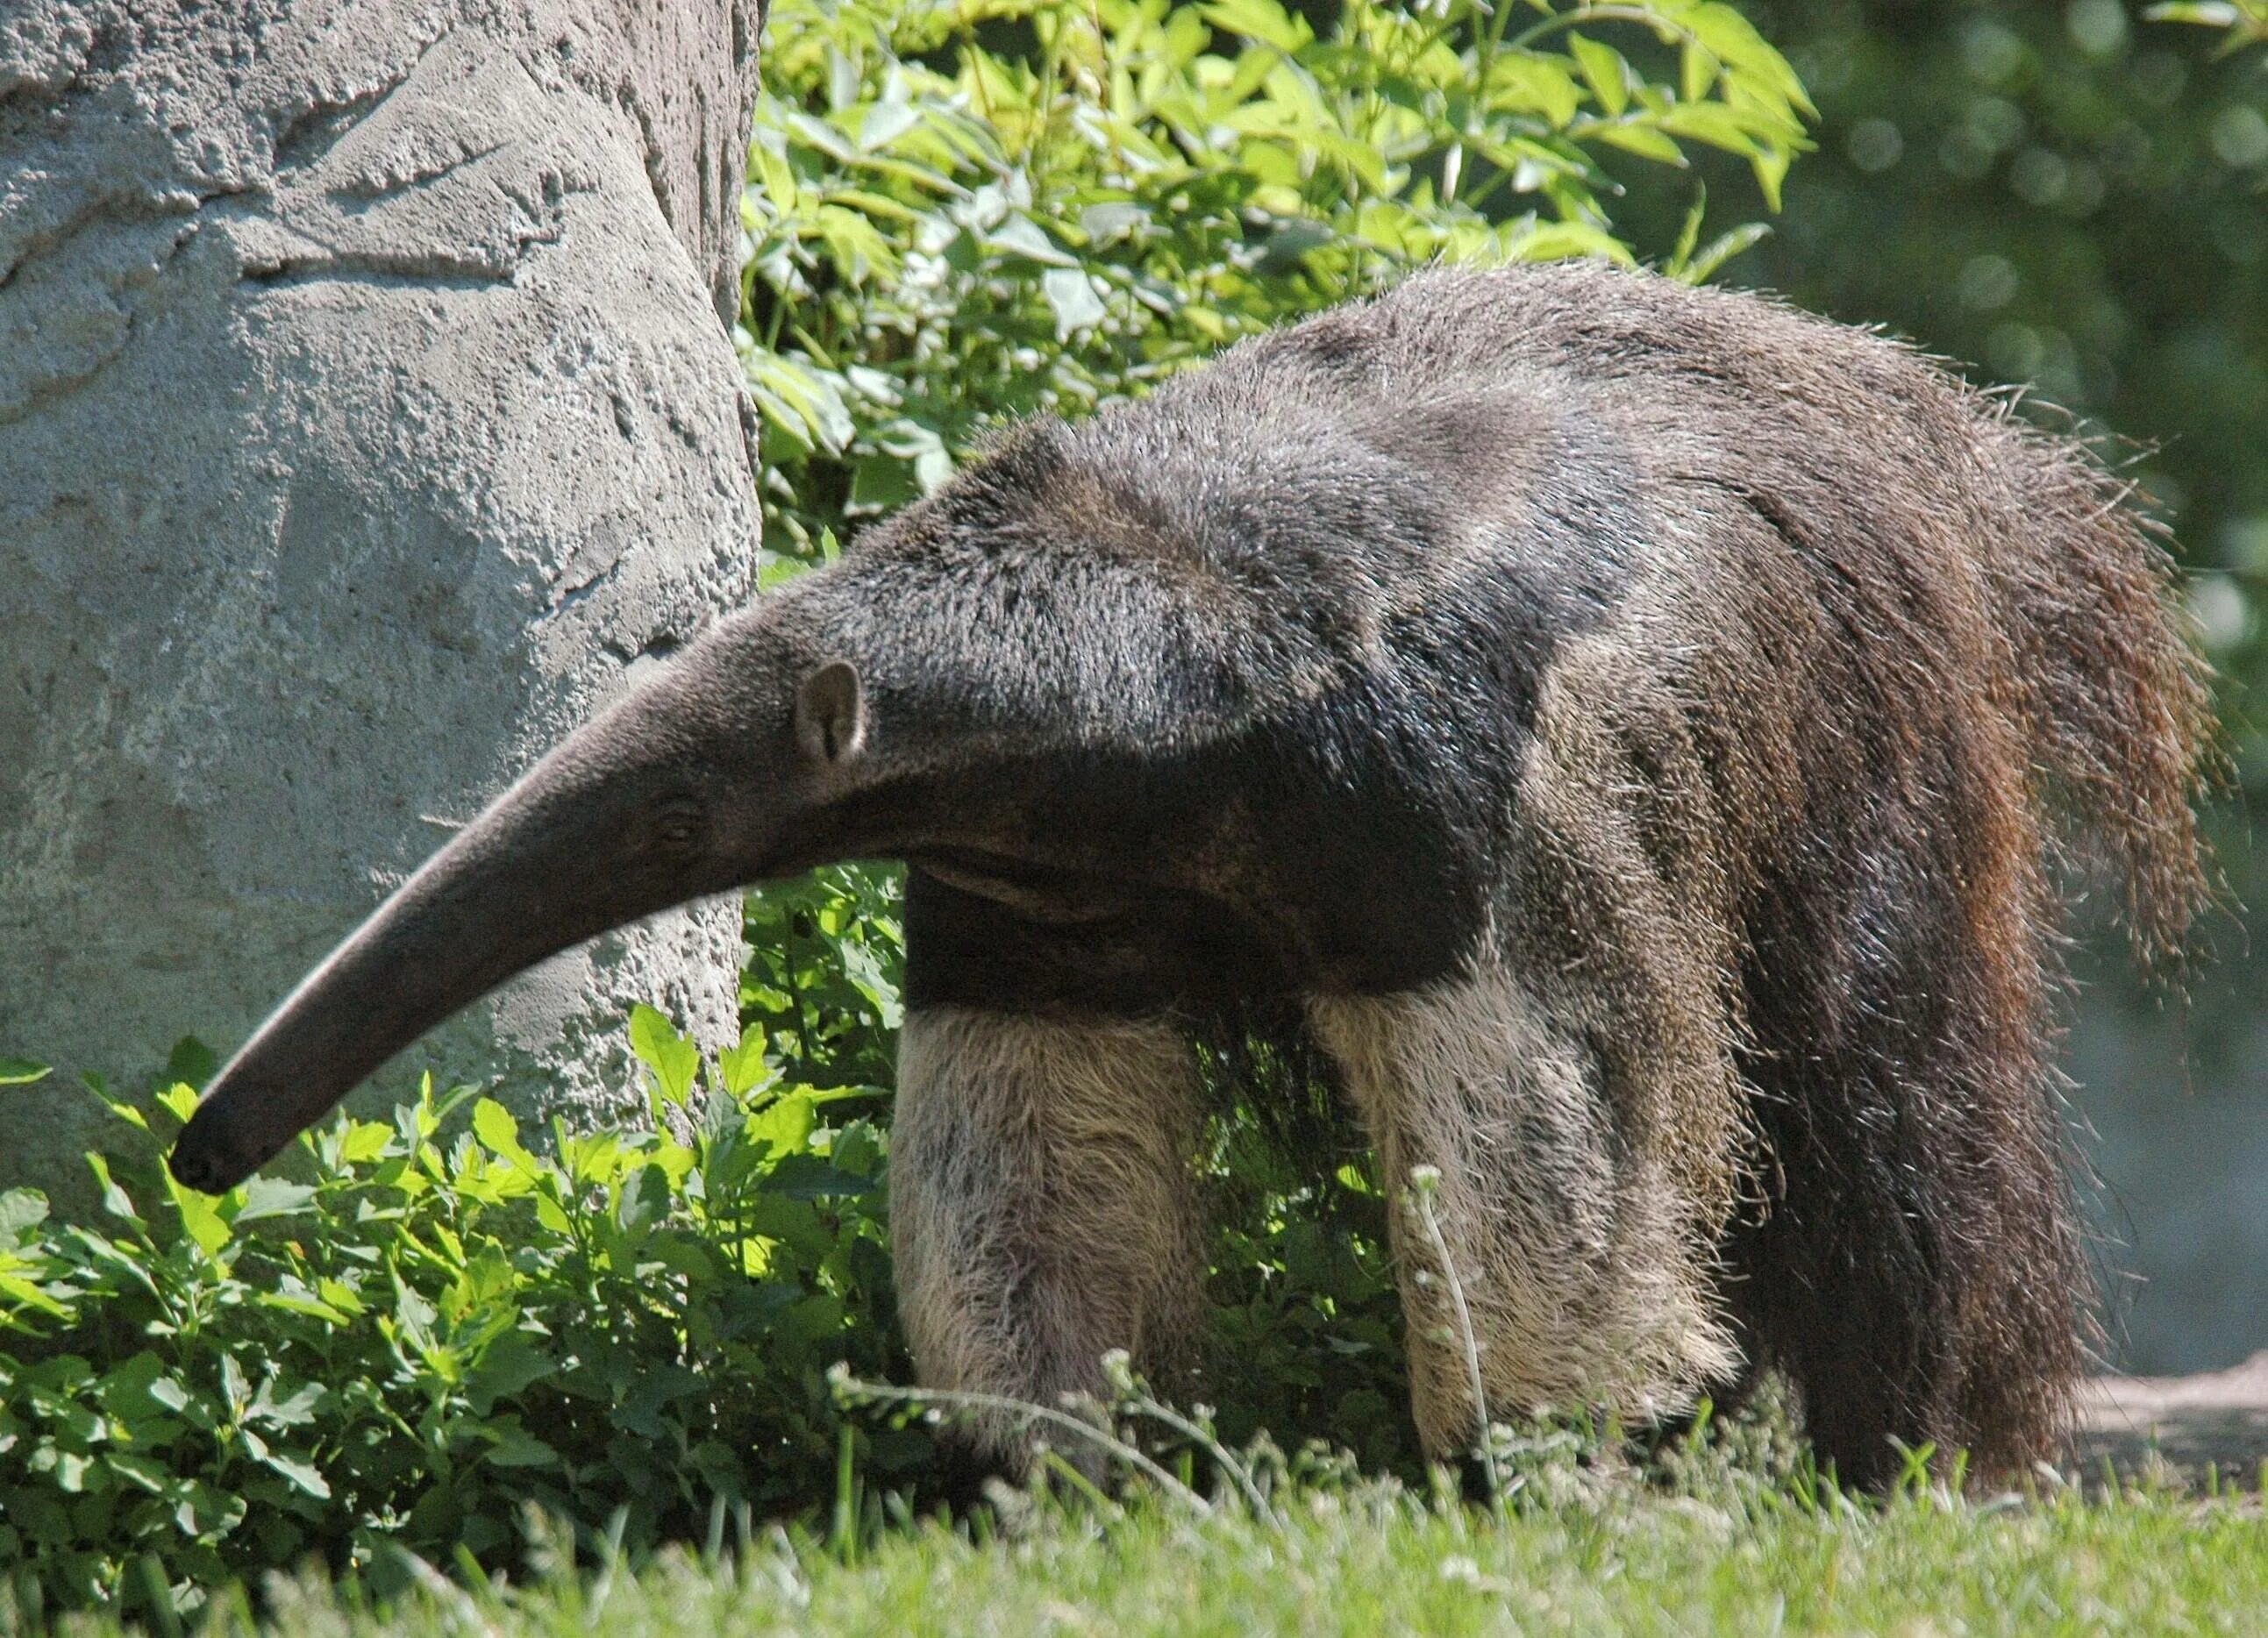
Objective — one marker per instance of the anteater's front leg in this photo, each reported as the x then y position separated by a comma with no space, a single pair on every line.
1043,1210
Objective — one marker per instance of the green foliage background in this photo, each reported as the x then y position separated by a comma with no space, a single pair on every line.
965,211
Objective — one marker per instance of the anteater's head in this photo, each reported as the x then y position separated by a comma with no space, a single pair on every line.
878,708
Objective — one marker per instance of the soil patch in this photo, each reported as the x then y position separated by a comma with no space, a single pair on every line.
2219,1417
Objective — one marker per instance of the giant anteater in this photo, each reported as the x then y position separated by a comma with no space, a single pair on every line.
1644,733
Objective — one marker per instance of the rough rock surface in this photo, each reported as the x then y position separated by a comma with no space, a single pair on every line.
368,417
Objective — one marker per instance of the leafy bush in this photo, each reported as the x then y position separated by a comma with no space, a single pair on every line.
970,211
960,214
439,1326
436,1326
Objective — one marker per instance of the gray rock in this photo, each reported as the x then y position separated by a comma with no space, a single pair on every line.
368,417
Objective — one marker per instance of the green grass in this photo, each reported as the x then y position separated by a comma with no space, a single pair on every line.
1374,1558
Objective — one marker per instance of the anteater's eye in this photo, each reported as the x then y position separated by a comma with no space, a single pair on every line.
678,824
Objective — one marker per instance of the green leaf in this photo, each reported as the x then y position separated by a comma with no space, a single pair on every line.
1071,293
302,1475
1643,140
804,403
123,1111
1549,240
365,1141
857,1148
741,1067
296,1409
2218,13
204,1513
507,1367
140,1472
235,1387
786,1124
191,1062
1022,237
1710,123
273,1197
21,1209
1604,70
26,1294
22,1072
882,123
646,1199
1689,234
298,1302
807,1177
1734,40
114,1198
1263,22
1115,219
499,1133
512,1446
1713,256
1770,168
673,1059
882,483
1523,81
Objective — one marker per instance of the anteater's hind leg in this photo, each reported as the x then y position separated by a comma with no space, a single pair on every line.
1042,1205
1915,1267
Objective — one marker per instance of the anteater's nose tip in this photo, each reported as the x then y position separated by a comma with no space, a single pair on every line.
205,1161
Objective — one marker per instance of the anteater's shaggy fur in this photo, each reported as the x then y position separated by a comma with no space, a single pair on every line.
1641,736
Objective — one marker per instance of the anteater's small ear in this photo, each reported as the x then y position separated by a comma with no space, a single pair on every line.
830,713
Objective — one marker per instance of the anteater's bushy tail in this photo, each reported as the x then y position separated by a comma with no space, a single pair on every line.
2116,689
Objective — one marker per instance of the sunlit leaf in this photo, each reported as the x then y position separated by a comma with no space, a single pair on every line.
1071,294
1710,258
672,1058
1261,20
1604,70
1644,140
303,1476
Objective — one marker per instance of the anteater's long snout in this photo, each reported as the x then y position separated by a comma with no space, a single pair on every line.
669,797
